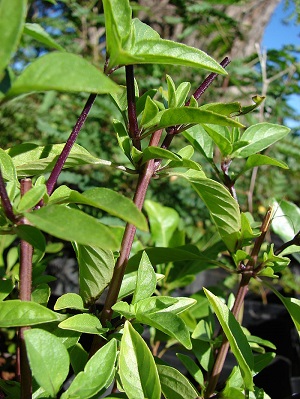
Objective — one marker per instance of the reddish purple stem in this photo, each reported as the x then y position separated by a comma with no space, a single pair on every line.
69,144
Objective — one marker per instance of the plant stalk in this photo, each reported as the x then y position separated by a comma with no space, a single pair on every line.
133,127
69,144
144,179
26,252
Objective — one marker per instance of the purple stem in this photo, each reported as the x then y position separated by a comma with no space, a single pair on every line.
198,93
132,118
69,144
5,201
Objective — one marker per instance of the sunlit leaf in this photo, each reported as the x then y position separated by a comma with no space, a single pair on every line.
38,33
137,368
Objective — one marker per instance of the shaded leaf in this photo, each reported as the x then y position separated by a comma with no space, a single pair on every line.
175,385
48,359
145,281
6,287
96,267
98,373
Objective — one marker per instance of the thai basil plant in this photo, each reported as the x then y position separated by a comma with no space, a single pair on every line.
134,282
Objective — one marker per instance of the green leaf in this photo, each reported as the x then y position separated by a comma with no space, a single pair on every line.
192,368
8,169
137,368
61,72
189,116
292,306
181,93
78,357
161,313
129,283
175,385
96,267
237,339
259,159
30,159
41,294
33,236
38,33
286,219
6,287
31,198
200,140
13,13
72,225
263,360
158,153
146,280
15,313
107,200
48,358
223,209
85,323
150,111
260,136
98,374
218,135
70,300
163,222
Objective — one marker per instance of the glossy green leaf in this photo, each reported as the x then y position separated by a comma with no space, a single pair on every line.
263,360
38,33
48,359
158,153
163,222
260,136
161,313
192,368
30,159
223,209
189,116
146,280
129,283
6,287
175,385
96,267
181,93
8,169
97,374
72,225
292,306
69,300
31,198
62,72
133,42
15,313
137,368
150,111
107,200
237,339
259,159
13,13
85,323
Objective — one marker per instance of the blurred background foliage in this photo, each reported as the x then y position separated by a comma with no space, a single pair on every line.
221,28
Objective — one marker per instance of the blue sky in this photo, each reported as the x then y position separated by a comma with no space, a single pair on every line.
278,34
